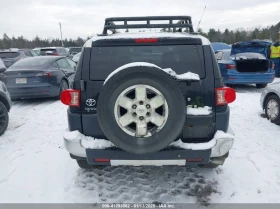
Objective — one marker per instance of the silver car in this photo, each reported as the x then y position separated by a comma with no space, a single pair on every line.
270,102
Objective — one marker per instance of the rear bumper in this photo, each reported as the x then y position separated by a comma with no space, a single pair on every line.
33,92
249,78
168,156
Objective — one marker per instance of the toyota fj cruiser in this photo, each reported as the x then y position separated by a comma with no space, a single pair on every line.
132,90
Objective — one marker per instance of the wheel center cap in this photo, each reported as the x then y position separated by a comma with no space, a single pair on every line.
141,110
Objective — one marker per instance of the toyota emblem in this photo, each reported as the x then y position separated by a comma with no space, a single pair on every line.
90,102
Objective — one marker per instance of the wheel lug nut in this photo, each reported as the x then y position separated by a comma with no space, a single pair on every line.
134,106
141,118
148,106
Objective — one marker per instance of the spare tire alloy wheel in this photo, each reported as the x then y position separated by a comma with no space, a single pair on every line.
148,115
141,109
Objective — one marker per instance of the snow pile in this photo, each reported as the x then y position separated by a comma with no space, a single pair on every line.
87,141
201,146
199,110
92,143
184,76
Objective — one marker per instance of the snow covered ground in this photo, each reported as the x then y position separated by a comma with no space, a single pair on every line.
35,167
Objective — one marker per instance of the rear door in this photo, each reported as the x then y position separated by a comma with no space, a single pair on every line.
66,67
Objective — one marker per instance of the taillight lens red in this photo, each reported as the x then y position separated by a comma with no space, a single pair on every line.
48,74
146,40
70,97
230,67
273,66
225,95
102,160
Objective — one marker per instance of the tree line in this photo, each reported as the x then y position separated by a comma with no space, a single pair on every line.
226,36
232,36
21,42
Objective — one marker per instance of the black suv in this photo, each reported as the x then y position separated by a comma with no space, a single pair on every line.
148,98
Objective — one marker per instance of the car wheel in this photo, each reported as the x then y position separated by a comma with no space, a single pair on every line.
145,111
4,118
272,109
260,86
84,165
63,86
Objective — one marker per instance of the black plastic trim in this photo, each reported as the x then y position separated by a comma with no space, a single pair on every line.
166,154
161,41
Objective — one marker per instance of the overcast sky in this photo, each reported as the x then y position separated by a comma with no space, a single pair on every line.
86,17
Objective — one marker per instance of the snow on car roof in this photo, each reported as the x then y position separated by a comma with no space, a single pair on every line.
88,43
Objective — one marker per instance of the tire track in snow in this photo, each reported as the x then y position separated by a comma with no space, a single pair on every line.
143,184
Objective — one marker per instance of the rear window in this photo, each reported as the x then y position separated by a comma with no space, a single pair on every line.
31,62
180,58
43,51
4,55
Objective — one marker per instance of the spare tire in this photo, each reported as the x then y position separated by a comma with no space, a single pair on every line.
141,109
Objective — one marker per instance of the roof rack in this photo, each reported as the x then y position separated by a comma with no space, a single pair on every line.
181,22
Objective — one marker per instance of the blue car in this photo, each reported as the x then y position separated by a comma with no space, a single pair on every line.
220,46
246,63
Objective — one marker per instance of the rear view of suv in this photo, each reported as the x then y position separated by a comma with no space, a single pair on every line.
148,98
10,57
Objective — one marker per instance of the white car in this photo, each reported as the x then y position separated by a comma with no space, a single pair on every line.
76,57
270,102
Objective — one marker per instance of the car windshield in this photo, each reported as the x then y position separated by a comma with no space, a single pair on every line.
31,62
248,55
9,54
75,50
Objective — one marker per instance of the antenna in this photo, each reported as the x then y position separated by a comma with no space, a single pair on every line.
200,18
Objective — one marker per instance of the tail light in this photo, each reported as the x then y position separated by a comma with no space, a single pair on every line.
225,95
102,160
273,66
146,40
55,54
70,97
230,67
43,74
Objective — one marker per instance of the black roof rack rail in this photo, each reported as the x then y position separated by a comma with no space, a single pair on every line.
182,22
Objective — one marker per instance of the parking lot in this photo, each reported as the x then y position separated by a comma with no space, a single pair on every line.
35,167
